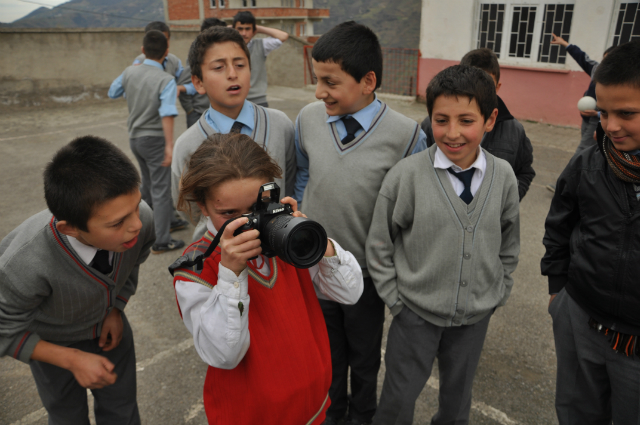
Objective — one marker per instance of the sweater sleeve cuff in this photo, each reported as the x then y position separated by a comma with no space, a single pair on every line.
397,307
23,347
556,283
122,299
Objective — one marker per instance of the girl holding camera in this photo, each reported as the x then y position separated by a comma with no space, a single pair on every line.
255,320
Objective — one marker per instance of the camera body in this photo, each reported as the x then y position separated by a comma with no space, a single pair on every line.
298,241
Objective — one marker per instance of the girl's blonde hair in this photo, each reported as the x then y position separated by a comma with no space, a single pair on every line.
221,158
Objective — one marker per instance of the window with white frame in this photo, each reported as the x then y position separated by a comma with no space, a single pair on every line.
219,2
520,31
627,27
248,3
288,3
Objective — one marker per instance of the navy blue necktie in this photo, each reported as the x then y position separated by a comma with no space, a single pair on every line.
101,262
236,127
465,177
352,126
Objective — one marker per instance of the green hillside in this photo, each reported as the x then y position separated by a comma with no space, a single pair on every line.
397,23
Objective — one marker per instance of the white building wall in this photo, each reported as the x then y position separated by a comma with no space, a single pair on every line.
448,29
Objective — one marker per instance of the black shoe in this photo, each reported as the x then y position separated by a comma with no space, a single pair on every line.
160,248
178,224
551,187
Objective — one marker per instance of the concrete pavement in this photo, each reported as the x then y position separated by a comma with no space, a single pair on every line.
515,382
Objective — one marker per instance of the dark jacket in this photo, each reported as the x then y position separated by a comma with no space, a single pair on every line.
588,65
508,141
592,242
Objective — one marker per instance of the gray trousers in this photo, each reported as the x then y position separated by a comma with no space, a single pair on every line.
156,182
586,130
412,346
66,401
594,385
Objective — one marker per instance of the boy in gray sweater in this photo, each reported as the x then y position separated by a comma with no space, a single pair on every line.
151,99
66,275
443,243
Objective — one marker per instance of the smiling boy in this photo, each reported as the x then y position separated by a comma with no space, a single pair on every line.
345,145
443,243
66,275
591,259
220,68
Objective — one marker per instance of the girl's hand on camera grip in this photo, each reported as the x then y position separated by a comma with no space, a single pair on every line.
236,250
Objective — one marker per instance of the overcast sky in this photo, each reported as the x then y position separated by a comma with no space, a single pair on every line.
10,10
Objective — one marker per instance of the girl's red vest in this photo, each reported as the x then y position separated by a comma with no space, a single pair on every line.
285,376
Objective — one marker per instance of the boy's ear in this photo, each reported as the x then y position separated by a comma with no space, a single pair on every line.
67,229
491,121
498,86
198,84
203,209
369,82
142,50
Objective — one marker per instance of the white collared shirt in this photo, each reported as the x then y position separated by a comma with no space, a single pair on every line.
221,333
85,252
480,164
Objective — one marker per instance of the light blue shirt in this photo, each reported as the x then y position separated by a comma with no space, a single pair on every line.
222,123
167,96
364,117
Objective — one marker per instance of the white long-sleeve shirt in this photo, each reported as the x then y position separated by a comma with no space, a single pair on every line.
221,332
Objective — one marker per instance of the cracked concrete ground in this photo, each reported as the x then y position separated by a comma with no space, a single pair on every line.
515,381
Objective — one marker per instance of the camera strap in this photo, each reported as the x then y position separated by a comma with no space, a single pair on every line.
198,261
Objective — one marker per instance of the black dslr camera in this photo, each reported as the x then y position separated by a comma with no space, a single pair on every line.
298,241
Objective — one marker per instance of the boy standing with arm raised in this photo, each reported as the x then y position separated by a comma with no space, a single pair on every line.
66,275
151,99
345,145
220,68
444,240
591,258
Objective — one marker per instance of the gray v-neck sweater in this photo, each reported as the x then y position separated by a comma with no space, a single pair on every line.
48,292
447,261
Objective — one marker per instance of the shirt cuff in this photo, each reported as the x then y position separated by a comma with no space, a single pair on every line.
232,286
168,111
191,90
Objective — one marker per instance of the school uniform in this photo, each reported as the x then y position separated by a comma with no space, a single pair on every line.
269,128
259,48
261,333
151,95
442,266
337,184
64,300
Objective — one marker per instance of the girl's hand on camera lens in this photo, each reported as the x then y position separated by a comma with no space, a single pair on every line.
236,250
294,206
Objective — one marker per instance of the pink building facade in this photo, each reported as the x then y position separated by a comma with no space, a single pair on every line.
540,82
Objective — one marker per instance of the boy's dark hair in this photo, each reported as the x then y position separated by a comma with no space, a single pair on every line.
609,49
85,174
621,67
211,22
467,81
485,59
158,26
206,39
155,45
245,17
352,46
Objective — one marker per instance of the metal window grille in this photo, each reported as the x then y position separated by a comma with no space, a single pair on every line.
490,24
522,25
627,27
556,20
399,73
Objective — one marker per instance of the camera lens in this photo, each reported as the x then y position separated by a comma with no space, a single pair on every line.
298,241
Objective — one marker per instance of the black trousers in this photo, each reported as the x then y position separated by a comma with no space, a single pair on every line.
355,335
66,401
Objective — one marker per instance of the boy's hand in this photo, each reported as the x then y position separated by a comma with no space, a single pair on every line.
236,250
91,370
181,89
589,113
168,156
111,334
559,40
